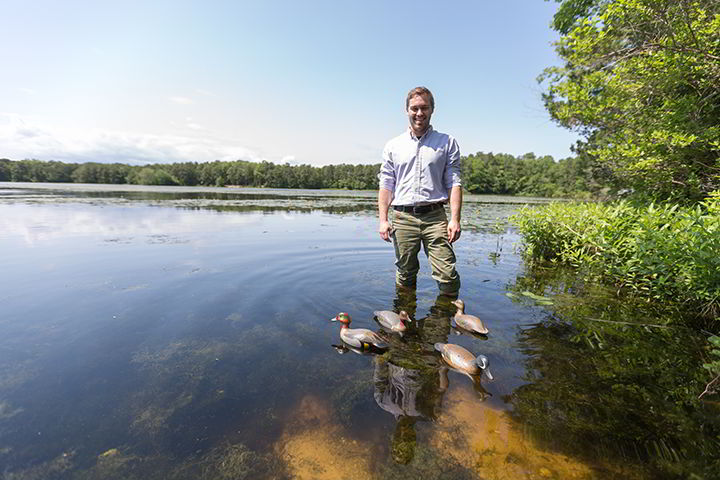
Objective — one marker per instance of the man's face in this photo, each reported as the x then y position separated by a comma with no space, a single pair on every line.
419,113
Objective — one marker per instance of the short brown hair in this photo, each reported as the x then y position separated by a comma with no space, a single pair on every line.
422,91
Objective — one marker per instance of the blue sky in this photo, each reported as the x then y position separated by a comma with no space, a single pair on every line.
314,82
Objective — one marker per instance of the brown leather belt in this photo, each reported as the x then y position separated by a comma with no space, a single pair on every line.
418,209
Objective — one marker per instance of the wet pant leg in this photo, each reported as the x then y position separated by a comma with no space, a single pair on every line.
407,241
428,230
439,251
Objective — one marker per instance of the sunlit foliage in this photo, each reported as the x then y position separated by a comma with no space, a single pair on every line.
641,83
661,252
503,174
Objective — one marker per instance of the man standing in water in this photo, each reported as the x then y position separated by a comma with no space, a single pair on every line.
420,173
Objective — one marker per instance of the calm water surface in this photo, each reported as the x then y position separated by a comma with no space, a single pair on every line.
184,333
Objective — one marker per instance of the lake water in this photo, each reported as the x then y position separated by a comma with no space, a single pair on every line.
162,332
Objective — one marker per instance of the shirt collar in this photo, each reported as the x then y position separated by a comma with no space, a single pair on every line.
412,135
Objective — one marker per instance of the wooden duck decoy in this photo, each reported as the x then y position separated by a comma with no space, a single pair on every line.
392,321
357,337
471,323
463,361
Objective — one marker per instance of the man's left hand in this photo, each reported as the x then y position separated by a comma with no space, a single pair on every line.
453,230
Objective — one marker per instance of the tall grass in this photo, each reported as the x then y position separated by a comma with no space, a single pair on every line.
667,253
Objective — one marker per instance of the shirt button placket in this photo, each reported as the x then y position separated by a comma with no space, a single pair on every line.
418,172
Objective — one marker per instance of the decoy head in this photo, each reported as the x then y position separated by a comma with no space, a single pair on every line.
401,327
483,362
440,347
459,304
341,317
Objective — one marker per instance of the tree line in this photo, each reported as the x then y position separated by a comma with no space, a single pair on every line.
484,173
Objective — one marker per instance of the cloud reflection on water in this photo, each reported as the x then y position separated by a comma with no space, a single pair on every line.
39,224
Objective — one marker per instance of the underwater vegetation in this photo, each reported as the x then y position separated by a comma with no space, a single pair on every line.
614,378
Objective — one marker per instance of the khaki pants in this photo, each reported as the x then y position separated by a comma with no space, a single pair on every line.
430,230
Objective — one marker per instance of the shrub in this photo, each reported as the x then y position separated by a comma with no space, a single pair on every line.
663,252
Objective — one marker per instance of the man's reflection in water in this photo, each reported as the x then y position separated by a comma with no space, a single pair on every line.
408,382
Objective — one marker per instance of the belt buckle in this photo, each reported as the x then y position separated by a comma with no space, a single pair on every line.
417,209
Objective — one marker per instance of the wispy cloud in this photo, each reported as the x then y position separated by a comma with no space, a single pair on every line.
192,124
24,138
28,91
181,100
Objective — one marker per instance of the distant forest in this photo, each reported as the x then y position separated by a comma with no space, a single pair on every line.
484,173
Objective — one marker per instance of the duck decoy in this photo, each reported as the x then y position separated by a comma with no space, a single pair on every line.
357,337
463,361
471,323
393,321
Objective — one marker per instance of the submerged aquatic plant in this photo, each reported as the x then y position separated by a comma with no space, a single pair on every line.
610,378
425,462
224,462
237,462
54,468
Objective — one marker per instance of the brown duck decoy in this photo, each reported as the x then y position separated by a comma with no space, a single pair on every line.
471,323
463,361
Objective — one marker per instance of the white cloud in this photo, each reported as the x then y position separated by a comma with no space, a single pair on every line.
288,159
22,138
204,92
181,100
192,125
28,91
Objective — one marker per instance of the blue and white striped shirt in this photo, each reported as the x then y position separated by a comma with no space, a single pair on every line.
419,171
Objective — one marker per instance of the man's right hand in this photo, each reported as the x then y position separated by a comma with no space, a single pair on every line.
385,230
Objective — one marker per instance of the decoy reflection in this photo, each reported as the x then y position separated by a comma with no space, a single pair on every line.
407,378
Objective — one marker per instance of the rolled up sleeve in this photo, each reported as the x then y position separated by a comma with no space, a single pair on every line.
453,168
386,177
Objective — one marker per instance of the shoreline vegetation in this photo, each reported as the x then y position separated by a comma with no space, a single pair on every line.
640,83
664,253
484,173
